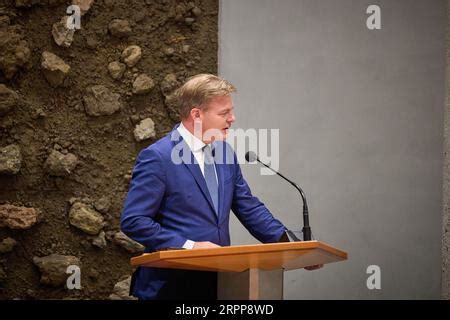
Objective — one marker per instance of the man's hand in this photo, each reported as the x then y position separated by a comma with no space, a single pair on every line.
317,266
204,245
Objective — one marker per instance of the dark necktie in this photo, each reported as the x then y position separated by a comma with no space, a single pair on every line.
210,177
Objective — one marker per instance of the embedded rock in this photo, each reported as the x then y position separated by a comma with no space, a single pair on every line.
121,290
102,205
15,217
145,130
7,245
143,84
60,165
55,69
8,99
119,28
53,268
100,101
131,55
62,35
84,5
100,240
128,244
14,52
85,218
10,159
116,69
169,84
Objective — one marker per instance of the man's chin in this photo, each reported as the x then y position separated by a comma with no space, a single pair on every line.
219,138
223,136
219,135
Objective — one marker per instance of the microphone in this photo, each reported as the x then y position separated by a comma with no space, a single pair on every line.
250,156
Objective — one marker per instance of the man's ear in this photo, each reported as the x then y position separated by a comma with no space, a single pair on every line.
195,113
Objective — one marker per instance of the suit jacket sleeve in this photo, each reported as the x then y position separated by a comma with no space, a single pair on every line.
142,204
252,213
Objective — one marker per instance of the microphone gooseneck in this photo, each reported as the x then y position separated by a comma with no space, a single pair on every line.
252,157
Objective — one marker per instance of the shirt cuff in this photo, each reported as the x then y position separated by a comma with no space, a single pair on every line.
189,244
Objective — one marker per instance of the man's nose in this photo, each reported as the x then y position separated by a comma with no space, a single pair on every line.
232,118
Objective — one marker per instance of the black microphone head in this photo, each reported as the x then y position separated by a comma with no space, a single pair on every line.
250,156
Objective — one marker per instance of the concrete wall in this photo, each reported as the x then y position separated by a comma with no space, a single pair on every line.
360,114
446,174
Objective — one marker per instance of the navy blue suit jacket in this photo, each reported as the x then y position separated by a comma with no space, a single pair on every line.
168,202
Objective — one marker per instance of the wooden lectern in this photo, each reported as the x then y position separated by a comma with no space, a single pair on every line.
246,272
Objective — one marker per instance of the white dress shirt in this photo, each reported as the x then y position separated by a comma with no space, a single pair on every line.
196,145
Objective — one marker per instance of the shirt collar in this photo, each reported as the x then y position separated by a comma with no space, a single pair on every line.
194,143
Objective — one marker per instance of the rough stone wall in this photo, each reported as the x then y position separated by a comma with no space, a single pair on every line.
446,177
76,106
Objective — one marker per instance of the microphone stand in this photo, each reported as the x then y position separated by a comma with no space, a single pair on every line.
306,228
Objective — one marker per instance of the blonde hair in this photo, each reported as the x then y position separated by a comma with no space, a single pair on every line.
199,89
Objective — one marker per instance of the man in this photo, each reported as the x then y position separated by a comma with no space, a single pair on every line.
183,188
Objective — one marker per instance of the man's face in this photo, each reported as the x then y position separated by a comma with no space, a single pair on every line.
217,116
